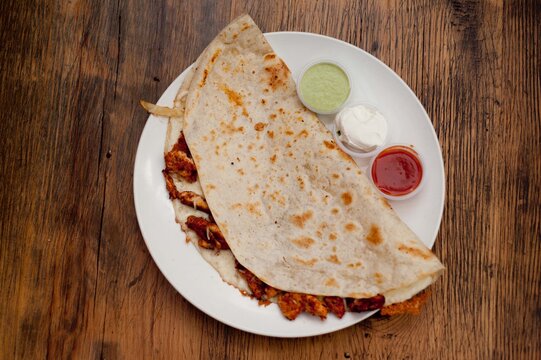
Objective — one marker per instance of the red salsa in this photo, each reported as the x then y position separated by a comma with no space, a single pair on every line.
397,170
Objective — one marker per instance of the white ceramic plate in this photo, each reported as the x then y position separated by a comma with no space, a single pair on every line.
185,269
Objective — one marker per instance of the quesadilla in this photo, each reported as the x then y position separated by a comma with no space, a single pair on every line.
270,201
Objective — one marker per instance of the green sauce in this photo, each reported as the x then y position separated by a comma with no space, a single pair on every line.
324,87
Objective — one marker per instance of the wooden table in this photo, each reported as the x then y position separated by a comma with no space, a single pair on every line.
76,278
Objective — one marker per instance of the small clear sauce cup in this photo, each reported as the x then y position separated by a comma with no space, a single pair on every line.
359,153
410,151
299,93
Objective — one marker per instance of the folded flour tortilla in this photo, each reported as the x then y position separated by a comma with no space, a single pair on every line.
294,209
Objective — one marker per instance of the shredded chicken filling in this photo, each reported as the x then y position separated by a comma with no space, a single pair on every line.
179,161
210,236
198,202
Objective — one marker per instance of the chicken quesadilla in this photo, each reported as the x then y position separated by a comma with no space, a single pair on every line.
261,189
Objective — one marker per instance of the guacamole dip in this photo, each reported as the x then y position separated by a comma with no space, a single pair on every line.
324,87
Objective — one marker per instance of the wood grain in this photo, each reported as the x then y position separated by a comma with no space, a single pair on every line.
77,280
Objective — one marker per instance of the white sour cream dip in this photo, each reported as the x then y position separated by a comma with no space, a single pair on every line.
361,128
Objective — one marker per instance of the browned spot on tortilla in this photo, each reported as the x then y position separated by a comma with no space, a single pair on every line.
301,182
288,145
354,265
270,56
270,134
233,96
273,158
378,277
281,111
336,176
253,159
210,187
359,172
334,259
300,220
289,132
241,172
350,227
331,282
215,56
206,70
245,26
253,208
204,79
332,236
278,74
319,234
334,249
329,144
236,206
309,262
282,179
245,112
250,146
253,188
263,101
335,211
344,155
276,196
228,127
259,126
290,154
386,203
374,235
304,242
346,198
303,133
414,251
272,116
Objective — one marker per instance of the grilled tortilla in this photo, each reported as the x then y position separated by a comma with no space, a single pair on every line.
294,209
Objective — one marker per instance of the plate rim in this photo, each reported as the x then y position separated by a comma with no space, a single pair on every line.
137,200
